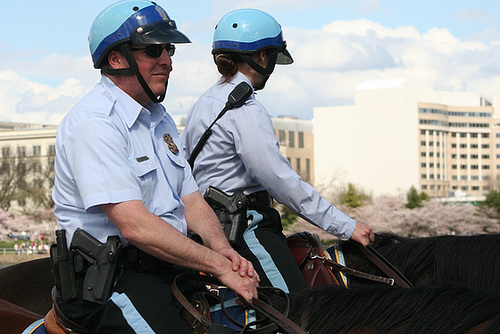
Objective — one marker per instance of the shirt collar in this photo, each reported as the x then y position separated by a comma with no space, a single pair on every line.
130,108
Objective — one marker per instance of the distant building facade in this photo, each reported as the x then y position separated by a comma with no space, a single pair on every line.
28,153
400,133
296,140
26,164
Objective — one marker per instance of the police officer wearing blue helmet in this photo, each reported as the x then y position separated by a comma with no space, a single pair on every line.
242,154
125,199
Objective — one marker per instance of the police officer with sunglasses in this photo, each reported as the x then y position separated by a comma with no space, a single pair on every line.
120,173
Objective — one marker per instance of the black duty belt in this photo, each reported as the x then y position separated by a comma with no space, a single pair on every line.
133,257
260,197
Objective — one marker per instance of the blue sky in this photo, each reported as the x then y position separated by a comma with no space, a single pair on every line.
450,45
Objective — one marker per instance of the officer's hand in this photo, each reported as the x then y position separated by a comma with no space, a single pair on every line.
246,287
239,263
363,234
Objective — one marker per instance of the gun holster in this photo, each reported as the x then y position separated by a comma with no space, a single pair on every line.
231,211
63,270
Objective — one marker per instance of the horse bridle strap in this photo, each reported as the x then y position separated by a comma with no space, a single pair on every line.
353,272
383,264
278,318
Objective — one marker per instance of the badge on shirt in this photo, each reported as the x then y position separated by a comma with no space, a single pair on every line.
170,142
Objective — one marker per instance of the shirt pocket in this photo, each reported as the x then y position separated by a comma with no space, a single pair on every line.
177,160
143,168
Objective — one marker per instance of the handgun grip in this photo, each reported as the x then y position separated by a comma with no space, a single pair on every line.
217,197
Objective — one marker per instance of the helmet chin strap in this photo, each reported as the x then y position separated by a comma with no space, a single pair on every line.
134,70
266,72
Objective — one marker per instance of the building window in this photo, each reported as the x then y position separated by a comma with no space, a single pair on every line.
5,151
475,188
473,146
474,177
453,156
463,166
453,166
301,139
36,167
463,177
291,138
431,154
21,151
474,167
431,176
486,166
37,151
465,188
424,187
423,165
423,154
422,143
463,156
485,156
424,176
485,135
308,169
453,145
281,136
454,177
298,165
431,165
474,156
463,145
473,135
485,146
463,135
52,150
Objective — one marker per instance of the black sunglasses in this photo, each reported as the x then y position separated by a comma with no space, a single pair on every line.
155,50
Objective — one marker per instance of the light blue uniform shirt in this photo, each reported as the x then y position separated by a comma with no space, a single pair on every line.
109,149
243,153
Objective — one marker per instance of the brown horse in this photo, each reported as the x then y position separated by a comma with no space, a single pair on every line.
28,285
15,319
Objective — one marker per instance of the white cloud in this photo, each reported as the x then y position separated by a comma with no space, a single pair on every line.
329,63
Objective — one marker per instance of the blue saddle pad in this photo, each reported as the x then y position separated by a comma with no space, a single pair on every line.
38,327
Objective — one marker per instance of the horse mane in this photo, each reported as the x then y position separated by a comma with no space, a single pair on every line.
470,261
380,309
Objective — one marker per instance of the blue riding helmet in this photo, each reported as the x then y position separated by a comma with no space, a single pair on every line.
134,21
247,31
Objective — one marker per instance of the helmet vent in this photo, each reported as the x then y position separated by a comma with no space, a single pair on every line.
135,9
235,25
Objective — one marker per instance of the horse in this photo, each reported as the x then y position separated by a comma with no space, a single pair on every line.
367,309
28,285
471,261
15,319
386,309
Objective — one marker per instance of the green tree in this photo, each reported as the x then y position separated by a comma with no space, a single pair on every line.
354,197
415,199
288,217
492,200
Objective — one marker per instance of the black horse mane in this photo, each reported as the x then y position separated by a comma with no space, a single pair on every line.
381,309
472,261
